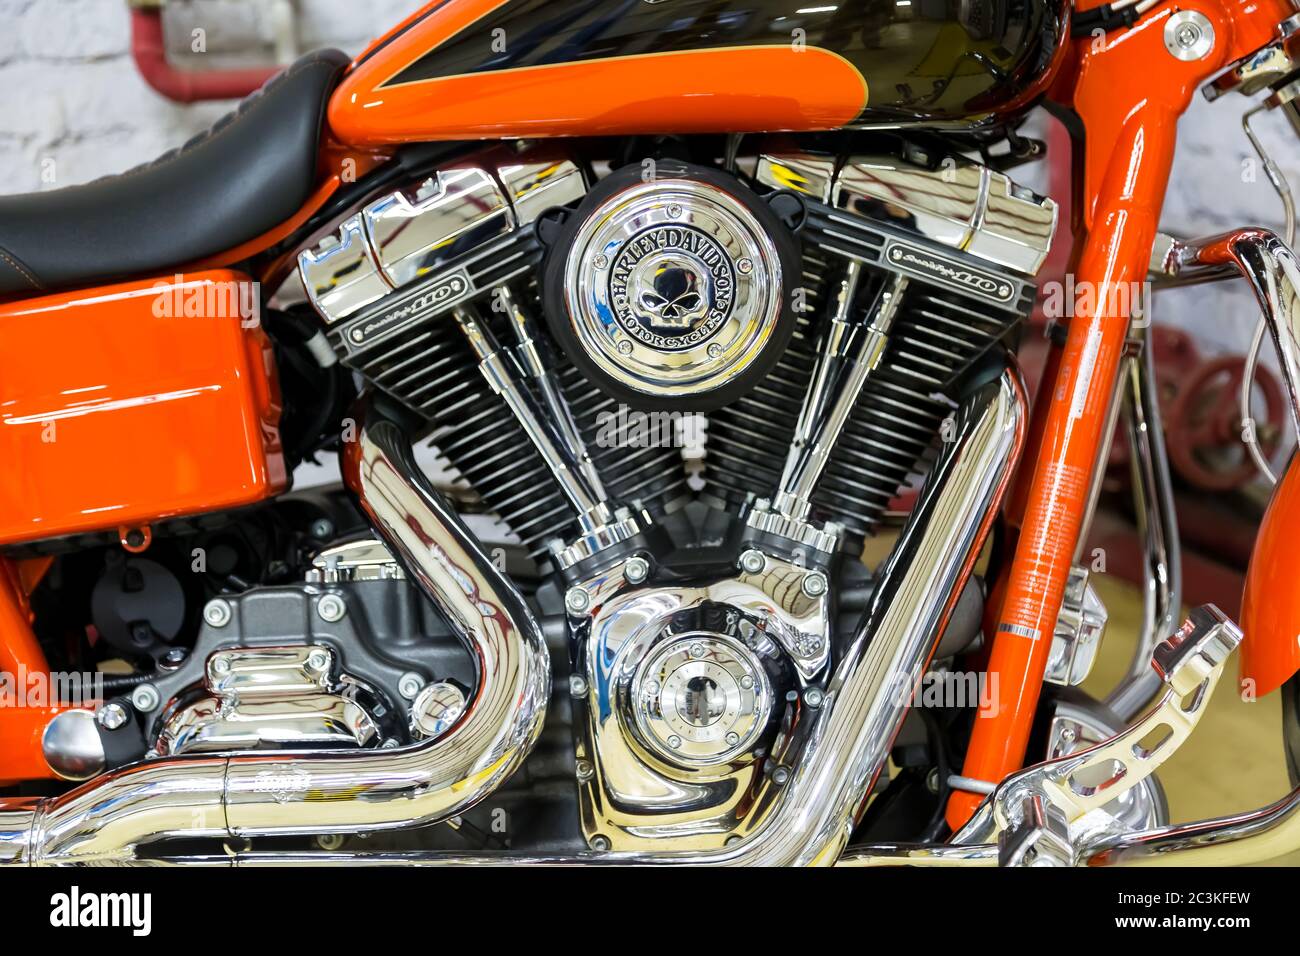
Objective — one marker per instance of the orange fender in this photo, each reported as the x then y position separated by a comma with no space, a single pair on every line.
1270,607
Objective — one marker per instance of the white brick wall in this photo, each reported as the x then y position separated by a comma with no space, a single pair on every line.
72,105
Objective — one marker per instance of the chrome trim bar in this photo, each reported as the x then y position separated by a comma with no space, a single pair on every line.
808,820
244,795
1243,839
1273,272
1157,523
1239,840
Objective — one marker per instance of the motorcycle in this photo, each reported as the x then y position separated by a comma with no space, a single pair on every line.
549,240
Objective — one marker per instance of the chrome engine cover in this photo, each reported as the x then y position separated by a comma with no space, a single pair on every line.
672,290
666,761
277,698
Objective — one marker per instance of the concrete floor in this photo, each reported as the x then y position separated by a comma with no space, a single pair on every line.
1234,760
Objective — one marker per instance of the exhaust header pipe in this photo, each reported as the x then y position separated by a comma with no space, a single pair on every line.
106,820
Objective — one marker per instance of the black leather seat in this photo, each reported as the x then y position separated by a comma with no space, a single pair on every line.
247,174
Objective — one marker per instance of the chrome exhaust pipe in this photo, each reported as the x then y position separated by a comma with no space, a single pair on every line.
811,817
239,796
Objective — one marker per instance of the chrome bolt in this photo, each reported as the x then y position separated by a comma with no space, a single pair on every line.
624,347
714,350
577,600
814,584
220,666
674,210
652,688
600,262
746,266
111,716
392,743
217,612
674,741
781,776
636,569
322,528
697,650
175,657
145,698
600,843
330,841
410,684
1189,35
331,608
753,561
747,682
733,738
813,697
318,660
577,686
1068,735
584,770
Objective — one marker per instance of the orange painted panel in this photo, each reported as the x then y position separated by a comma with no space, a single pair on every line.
127,404
1270,607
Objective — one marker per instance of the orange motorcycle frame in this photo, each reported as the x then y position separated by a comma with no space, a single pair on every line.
1125,92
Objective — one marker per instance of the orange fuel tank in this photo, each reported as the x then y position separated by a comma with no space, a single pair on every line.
128,404
506,69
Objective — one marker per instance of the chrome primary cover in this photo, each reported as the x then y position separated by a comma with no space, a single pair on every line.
672,289
682,696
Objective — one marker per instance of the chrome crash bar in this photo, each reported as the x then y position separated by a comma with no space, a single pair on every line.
110,818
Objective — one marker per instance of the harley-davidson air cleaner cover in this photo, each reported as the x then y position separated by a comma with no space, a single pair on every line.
672,286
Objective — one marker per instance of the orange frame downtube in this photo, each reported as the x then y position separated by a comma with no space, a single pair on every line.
1128,92
21,727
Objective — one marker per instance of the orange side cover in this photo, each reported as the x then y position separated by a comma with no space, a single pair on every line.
127,404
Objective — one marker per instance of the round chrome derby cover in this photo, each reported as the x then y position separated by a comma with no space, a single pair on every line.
674,288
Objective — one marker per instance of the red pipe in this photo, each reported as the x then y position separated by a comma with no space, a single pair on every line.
184,86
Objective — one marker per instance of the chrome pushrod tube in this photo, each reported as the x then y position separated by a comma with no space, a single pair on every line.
345,792
809,819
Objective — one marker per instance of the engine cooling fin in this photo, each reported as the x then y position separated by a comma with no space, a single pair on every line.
939,335
429,366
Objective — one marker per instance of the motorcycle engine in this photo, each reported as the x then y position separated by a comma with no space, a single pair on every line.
824,310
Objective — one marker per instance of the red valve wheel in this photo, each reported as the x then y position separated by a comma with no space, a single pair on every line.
1205,429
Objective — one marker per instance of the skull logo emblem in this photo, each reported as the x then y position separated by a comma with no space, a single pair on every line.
675,299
